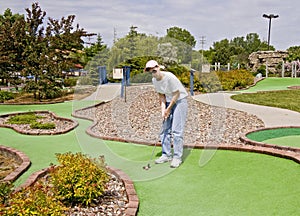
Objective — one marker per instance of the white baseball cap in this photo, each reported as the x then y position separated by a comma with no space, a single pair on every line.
151,64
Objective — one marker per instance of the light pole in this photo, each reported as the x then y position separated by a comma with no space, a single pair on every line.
270,17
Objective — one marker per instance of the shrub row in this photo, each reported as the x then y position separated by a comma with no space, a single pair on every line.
219,80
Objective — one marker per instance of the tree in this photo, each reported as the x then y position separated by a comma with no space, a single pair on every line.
236,50
181,35
11,45
184,42
221,51
294,53
49,51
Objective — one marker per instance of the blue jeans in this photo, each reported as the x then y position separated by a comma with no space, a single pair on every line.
173,128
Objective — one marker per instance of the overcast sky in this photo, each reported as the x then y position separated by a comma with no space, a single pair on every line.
213,19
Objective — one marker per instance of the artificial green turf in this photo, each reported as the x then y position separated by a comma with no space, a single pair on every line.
273,83
262,135
278,136
231,183
292,141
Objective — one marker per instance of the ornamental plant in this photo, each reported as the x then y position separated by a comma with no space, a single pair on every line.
44,126
6,188
78,179
34,200
5,95
27,118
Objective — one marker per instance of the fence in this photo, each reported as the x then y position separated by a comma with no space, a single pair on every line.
288,69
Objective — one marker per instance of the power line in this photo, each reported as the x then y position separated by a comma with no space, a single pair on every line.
115,35
202,41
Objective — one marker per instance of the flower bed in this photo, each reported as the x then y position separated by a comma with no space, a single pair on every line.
62,125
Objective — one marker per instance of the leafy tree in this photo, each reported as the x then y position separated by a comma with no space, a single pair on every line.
294,53
181,35
134,44
49,51
221,51
184,43
97,55
11,45
236,50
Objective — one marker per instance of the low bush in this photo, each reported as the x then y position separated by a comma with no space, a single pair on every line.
70,82
5,190
44,126
27,118
223,80
141,78
5,95
79,179
34,200
235,79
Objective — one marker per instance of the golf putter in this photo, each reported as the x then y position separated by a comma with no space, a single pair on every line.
147,167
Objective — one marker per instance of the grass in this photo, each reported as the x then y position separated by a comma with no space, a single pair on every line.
286,99
277,136
273,83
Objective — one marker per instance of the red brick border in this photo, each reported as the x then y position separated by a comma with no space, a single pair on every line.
246,140
20,157
46,132
133,200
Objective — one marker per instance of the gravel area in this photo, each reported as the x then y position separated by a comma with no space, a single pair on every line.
112,202
138,118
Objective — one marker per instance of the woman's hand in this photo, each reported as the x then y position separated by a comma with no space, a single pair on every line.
166,113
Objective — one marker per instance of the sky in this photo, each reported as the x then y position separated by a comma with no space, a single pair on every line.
207,20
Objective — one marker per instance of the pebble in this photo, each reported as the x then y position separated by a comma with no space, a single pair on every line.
139,118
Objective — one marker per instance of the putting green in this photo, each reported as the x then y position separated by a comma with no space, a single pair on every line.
273,83
230,183
277,136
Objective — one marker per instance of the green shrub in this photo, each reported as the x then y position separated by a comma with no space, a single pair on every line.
78,179
141,78
34,200
262,70
5,190
44,126
5,95
85,80
207,82
235,79
27,118
70,82
51,93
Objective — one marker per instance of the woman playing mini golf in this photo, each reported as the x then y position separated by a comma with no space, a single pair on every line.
174,108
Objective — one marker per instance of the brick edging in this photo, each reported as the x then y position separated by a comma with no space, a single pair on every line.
34,103
46,132
133,200
248,141
20,157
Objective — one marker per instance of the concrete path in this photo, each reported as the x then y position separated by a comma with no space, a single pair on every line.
272,117
106,92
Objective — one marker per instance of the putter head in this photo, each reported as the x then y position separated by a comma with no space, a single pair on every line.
147,167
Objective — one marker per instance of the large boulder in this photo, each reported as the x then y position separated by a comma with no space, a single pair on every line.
268,58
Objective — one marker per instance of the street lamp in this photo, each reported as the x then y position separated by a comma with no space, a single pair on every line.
270,17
